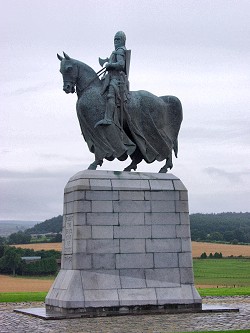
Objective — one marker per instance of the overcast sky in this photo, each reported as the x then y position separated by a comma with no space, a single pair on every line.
198,51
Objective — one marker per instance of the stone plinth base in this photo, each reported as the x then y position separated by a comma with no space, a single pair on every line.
126,245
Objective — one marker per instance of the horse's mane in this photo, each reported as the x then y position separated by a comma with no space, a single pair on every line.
87,68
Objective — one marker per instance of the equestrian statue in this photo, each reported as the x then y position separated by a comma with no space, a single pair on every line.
116,122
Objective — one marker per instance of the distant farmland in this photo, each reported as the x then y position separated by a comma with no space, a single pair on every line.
198,248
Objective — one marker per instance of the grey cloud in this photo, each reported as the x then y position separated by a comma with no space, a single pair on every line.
28,89
33,174
232,177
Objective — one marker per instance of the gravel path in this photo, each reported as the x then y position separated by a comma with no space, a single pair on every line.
11,322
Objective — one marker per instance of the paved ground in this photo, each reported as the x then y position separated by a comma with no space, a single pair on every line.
11,322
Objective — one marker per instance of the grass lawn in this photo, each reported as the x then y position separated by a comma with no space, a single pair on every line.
217,292
222,272
23,297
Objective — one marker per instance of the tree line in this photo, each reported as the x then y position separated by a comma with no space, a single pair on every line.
222,227
11,261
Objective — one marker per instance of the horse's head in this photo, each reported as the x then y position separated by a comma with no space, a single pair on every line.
69,71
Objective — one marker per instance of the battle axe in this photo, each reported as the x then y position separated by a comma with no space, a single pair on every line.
102,61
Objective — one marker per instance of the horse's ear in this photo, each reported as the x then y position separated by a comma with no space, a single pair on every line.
66,56
59,57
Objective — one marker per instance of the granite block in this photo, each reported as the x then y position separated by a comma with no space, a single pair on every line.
132,246
165,260
103,261
127,231
59,279
73,297
102,279
66,261
129,184
178,185
68,197
77,185
131,195
163,206
179,295
162,277
79,195
132,278
185,259
141,296
102,246
182,206
70,207
82,206
186,245
162,195
164,231
102,232
163,245
67,279
196,296
160,185
183,195
82,232
102,206
79,219
102,218
135,260
81,261
187,276
183,231
184,218
100,184
132,206
131,218
79,246
101,195
162,218
101,298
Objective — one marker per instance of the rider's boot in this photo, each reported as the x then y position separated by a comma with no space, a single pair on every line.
109,115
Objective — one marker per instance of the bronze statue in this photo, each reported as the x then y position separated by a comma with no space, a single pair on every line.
117,123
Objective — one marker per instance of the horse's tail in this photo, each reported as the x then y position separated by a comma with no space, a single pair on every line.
174,118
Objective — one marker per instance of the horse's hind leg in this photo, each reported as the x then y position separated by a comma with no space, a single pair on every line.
136,159
94,165
168,164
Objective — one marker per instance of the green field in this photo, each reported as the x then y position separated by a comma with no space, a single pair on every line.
227,277
222,272
40,296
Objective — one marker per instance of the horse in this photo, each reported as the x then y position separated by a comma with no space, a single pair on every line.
146,128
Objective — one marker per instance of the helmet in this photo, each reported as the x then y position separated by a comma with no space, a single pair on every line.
122,35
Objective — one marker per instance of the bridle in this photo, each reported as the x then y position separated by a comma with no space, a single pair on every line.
99,73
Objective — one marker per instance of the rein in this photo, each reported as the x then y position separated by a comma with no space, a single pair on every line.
99,73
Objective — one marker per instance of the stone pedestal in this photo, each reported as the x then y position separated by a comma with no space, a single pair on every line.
126,246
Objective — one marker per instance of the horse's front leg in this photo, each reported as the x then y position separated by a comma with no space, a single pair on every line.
136,159
168,164
94,165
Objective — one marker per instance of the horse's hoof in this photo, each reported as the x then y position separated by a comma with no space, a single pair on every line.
92,166
163,170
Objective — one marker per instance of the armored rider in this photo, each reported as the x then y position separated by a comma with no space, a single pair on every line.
116,79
